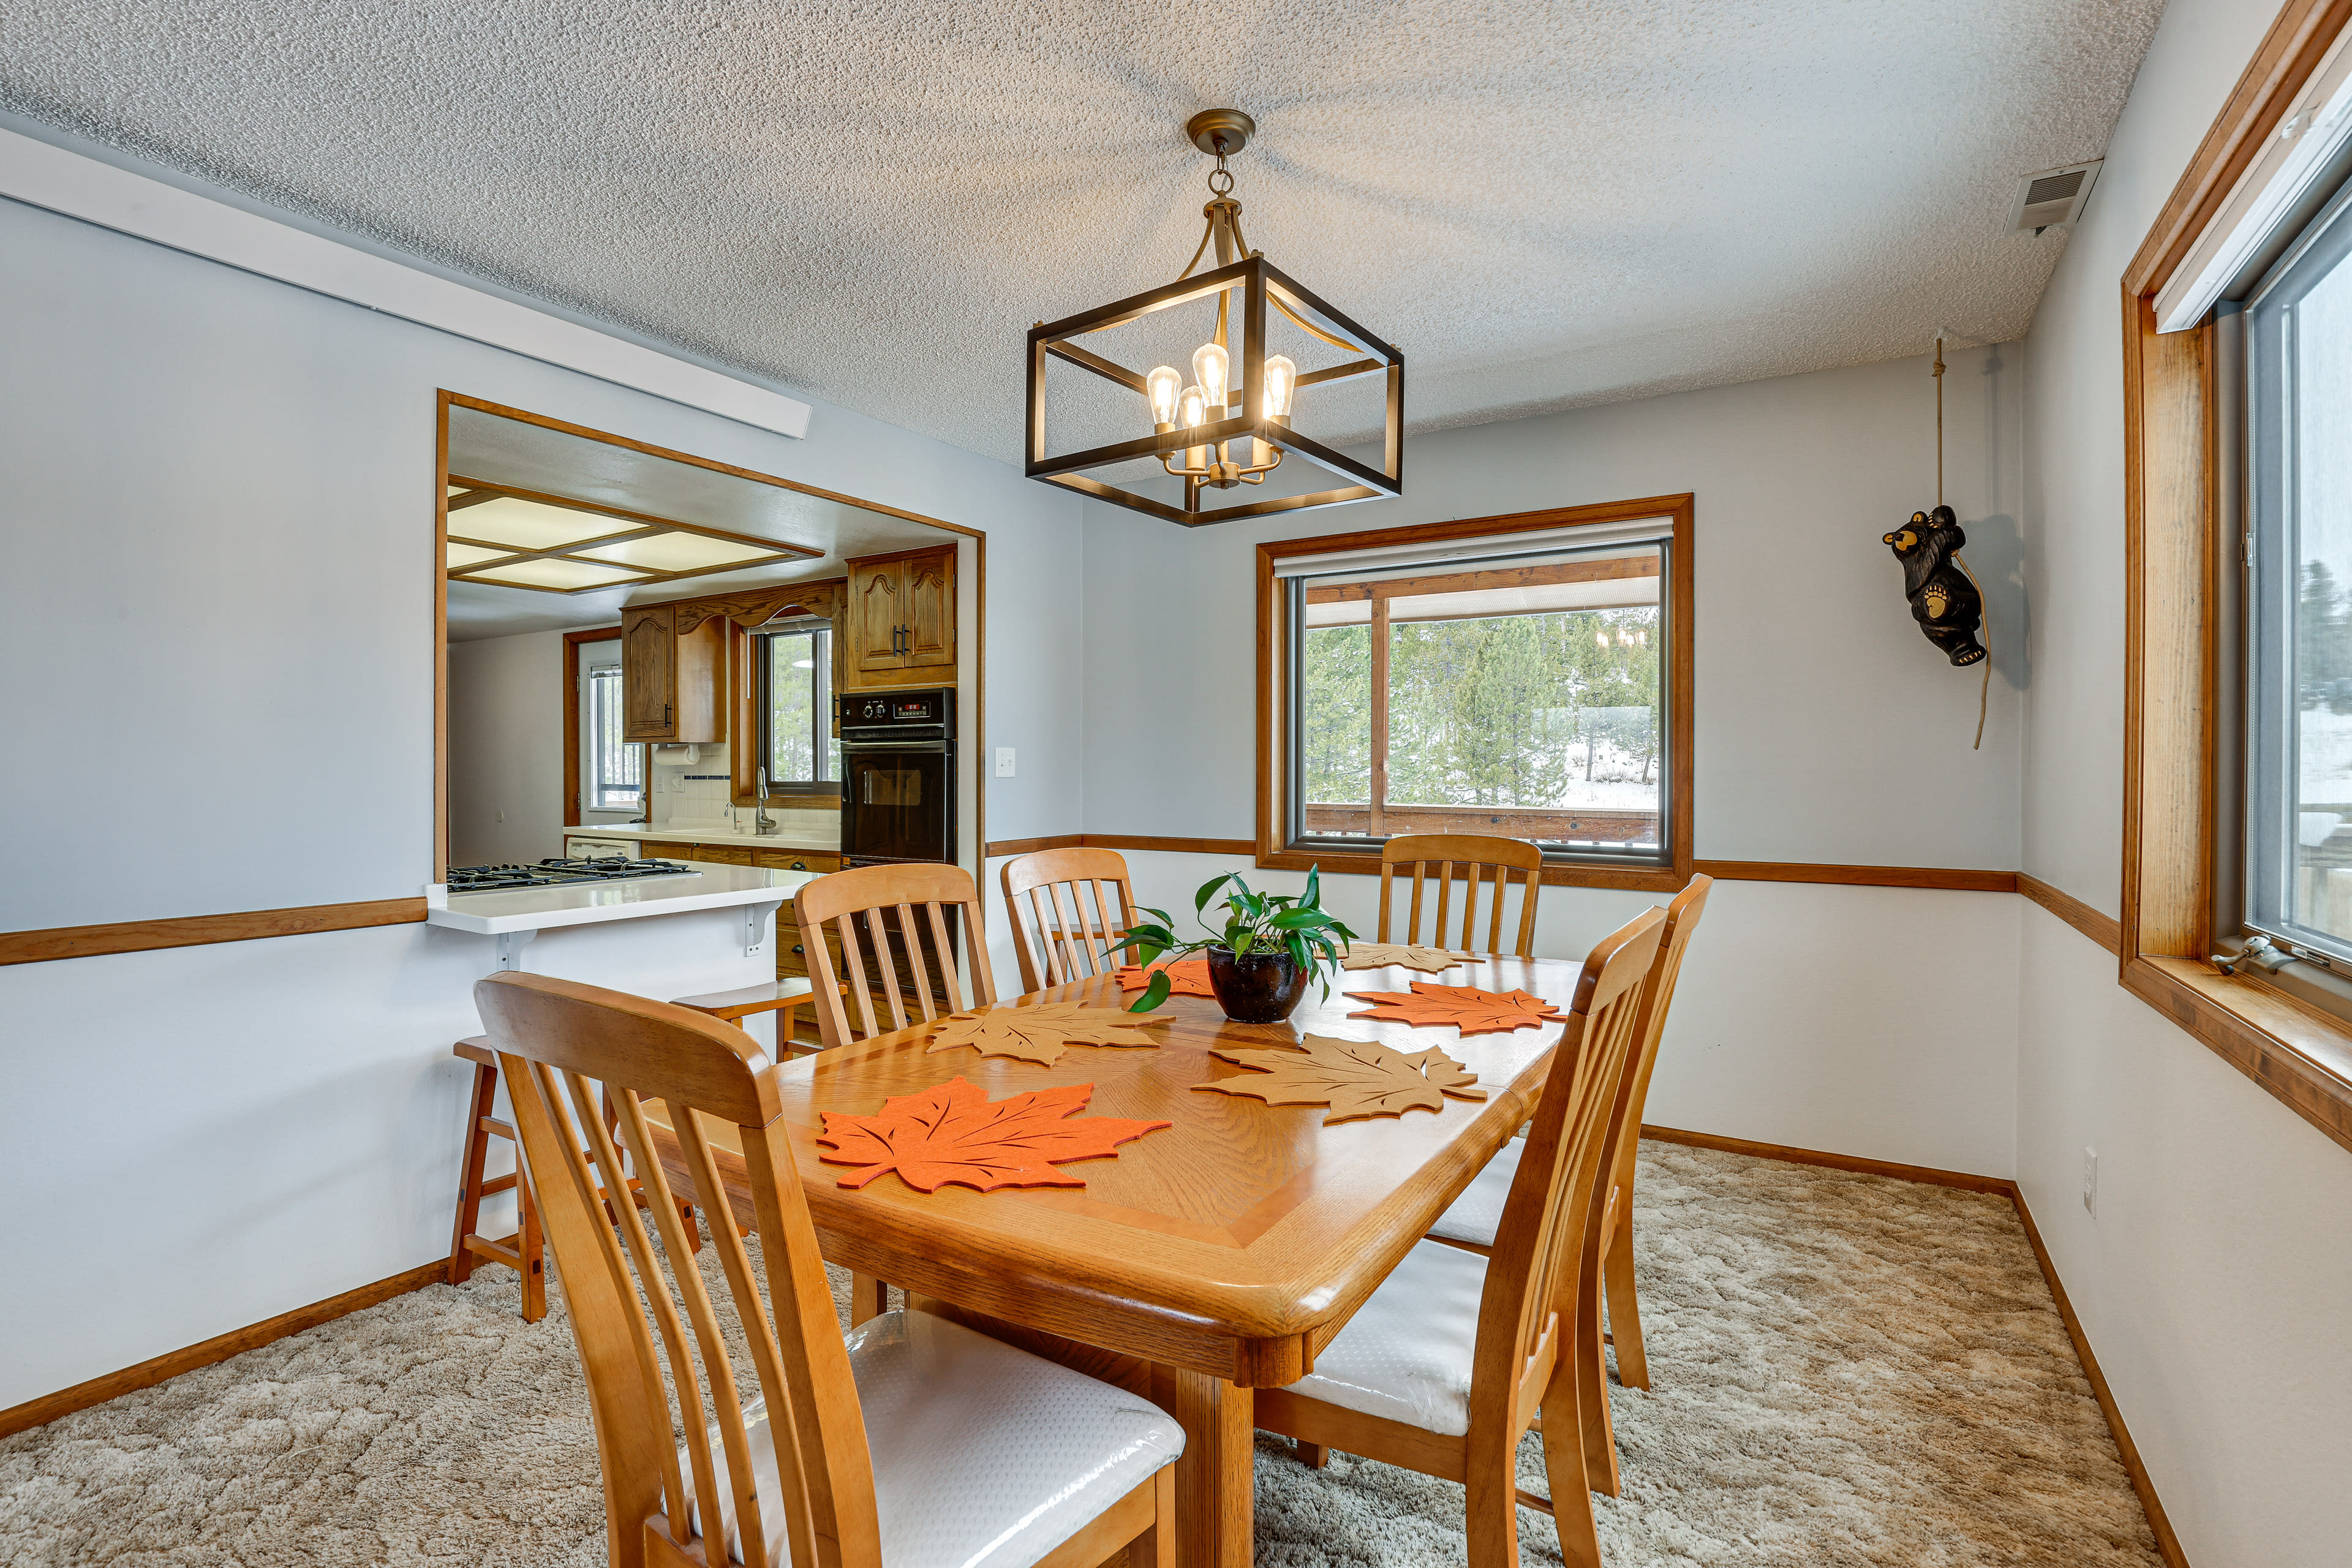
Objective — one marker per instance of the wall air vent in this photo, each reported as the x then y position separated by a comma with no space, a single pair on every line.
2053,195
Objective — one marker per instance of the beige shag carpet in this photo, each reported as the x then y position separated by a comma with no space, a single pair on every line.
1847,1370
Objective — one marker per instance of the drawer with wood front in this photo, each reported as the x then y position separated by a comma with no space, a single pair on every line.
812,861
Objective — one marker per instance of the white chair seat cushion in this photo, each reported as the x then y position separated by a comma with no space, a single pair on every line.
985,1456
1406,1354
1478,1214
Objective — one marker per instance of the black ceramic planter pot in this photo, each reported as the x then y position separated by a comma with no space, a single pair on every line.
1260,988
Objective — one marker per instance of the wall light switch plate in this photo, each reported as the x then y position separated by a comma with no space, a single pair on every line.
2091,1181
1004,762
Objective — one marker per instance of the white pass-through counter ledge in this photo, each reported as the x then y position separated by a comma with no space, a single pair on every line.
514,918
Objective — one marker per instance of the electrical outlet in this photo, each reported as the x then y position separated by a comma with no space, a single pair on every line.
2091,1181
1004,762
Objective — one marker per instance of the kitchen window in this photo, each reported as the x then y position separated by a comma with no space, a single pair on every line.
616,769
794,665
1524,684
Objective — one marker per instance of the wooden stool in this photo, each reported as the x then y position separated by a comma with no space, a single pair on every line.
523,1251
781,997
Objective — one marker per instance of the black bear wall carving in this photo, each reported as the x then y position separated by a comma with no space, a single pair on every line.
1943,600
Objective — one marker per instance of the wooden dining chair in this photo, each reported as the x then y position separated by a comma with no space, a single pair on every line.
1470,854
918,1442
887,898
1073,945
1449,1362
1608,1269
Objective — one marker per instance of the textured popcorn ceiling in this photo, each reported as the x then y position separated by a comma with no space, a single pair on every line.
1542,205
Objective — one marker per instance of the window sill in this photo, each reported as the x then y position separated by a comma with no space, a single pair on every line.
1367,862
2299,1054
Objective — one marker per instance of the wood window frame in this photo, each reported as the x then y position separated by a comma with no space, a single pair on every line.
1273,847
744,677
2173,713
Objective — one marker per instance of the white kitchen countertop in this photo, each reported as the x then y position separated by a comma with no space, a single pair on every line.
792,835
707,887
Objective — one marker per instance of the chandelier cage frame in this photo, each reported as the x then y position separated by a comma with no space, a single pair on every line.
1260,284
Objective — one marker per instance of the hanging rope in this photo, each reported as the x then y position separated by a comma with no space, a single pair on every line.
1984,690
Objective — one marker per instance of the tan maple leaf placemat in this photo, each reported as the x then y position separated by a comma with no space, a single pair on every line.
1186,977
1041,1033
1355,1077
952,1133
1473,1011
1404,955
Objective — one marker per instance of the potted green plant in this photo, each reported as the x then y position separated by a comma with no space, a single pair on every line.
1259,965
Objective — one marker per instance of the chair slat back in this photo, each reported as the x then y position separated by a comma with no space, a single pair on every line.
887,898
556,1039
1073,945
1657,996
1438,857
1531,1273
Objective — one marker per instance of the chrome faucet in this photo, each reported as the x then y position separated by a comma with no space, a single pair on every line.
760,821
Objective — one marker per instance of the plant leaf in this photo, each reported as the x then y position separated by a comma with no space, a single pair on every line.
1154,994
953,1132
1200,898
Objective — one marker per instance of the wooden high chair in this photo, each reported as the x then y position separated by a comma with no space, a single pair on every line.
1452,1359
1077,944
1471,853
919,1443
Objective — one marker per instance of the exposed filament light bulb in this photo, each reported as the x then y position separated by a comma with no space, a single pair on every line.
1194,408
1163,388
1281,381
1210,364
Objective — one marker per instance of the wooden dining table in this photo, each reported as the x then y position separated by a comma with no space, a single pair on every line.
1204,1260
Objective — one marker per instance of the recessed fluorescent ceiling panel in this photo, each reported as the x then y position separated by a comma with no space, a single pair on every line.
555,573
532,525
676,551
461,555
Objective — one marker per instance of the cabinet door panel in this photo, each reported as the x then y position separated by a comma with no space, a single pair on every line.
648,674
877,607
930,612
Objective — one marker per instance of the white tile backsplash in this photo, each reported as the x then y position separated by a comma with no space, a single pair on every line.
695,796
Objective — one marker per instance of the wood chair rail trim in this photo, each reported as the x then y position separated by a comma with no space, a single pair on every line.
196,930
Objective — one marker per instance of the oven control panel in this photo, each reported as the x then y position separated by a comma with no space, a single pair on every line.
927,711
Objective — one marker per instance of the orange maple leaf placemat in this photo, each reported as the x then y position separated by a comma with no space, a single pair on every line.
1473,1011
1186,977
952,1133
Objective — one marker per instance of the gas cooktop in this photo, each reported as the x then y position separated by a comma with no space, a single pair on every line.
558,873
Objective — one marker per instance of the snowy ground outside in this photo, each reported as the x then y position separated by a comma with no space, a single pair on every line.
2326,756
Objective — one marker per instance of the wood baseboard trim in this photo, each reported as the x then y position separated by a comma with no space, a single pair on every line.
195,930
2102,928
1901,1172
2168,1544
236,1341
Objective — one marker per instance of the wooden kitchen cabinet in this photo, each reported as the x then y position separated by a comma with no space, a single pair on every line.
673,687
901,619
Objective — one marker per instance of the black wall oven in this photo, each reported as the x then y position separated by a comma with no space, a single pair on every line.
897,775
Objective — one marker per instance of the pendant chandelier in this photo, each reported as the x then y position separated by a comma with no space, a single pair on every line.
1227,427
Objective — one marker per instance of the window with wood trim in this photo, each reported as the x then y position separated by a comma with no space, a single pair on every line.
793,664
1519,680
